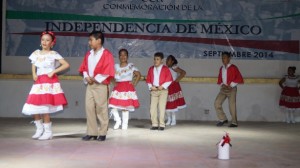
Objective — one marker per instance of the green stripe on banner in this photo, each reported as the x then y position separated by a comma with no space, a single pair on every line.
62,16
281,17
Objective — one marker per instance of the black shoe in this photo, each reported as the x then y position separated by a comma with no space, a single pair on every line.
88,137
161,128
233,125
154,128
101,138
221,123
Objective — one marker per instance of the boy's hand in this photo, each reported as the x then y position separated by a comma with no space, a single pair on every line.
160,88
89,80
153,88
223,86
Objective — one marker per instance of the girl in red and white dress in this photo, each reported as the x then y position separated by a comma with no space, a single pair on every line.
46,95
175,99
290,97
123,96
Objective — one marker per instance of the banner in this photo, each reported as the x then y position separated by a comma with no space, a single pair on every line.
192,29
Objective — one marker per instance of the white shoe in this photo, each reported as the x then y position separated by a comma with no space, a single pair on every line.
47,133
125,118
287,117
173,119
168,121
169,118
39,129
173,123
116,118
292,118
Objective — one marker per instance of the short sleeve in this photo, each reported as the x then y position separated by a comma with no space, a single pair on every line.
117,66
175,67
57,56
134,68
33,56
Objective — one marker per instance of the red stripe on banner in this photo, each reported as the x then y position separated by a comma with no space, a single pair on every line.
291,46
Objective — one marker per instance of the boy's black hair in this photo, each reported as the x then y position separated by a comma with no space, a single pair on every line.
175,62
97,35
293,68
228,54
159,54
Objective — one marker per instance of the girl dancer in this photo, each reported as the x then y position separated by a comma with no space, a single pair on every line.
175,99
123,96
290,97
46,95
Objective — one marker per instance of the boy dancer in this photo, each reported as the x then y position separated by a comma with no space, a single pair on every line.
229,78
158,79
97,69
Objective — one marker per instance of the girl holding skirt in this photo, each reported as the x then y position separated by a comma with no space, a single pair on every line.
123,96
290,97
46,95
175,99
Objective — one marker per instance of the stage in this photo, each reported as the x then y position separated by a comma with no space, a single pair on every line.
187,145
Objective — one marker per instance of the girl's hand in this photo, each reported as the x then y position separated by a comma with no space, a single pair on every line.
50,75
134,84
34,77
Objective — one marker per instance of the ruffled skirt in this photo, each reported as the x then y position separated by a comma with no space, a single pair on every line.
175,99
290,98
124,97
45,96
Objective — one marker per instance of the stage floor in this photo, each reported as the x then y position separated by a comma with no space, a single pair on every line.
189,144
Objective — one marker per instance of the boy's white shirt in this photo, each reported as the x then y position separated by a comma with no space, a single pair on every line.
156,74
93,60
224,76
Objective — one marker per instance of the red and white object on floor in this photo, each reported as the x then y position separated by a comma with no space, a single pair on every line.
224,147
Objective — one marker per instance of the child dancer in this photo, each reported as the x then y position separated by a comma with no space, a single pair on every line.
46,95
97,69
123,96
158,79
290,97
175,99
229,77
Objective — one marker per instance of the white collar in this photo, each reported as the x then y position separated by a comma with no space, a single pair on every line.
99,51
228,65
159,67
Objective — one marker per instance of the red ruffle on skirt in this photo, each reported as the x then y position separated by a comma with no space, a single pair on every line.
46,91
290,97
124,97
175,99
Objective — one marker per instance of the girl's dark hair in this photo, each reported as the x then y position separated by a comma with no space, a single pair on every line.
293,68
123,49
173,59
97,35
